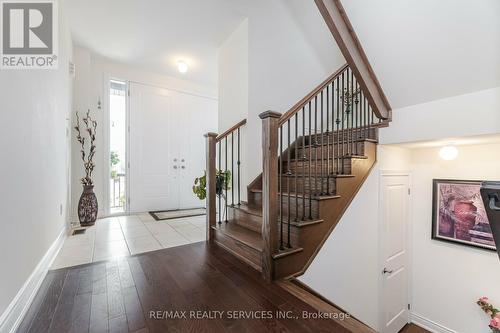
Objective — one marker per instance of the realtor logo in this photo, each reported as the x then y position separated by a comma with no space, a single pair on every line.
29,34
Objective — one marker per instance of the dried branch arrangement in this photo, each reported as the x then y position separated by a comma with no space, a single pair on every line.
88,163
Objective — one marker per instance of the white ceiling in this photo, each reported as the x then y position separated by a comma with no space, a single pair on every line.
154,34
423,50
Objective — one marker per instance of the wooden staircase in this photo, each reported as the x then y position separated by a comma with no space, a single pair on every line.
242,234
315,158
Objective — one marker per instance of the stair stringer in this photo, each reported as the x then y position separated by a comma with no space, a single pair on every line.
312,238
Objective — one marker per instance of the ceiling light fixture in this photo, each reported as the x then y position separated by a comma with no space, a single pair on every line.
448,153
182,67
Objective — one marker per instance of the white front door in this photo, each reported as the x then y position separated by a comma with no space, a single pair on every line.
167,146
394,266
154,150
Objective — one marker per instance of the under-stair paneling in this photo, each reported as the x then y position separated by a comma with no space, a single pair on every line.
351,251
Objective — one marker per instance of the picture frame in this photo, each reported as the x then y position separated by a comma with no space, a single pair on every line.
459,215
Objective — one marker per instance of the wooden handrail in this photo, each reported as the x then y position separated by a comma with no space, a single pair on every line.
230,130
342,30
297,107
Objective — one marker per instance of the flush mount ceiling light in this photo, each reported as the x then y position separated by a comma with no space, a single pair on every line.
182,67
448,153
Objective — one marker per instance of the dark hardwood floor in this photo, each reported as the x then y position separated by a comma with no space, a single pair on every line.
138,293
411,328
124,295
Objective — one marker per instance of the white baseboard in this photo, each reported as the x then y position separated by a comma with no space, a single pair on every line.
15,312
429,324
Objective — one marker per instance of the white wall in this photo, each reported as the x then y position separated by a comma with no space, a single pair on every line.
232,60
449,278
464,115
446,278
91,75
284,64
346,270
34,112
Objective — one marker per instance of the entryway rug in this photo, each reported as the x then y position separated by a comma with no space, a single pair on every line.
175,214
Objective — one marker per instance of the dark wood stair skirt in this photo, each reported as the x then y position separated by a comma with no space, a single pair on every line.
322,305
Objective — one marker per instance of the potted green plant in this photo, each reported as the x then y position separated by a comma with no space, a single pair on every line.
222,181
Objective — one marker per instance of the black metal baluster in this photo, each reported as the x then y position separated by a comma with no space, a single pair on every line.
304,157
225,176
335,121
366,118
315,147
239,163
327,139
296,164
321,155
232,169
288,174
349,113
353,114
310,161
216,172
280,186
341,158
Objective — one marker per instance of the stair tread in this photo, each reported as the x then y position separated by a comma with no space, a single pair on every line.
244,235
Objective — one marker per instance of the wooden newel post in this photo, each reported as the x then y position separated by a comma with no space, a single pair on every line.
269,191
211,187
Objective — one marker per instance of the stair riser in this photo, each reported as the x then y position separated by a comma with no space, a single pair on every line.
246,220
241,250
302,215
342,166
294,204
328,151
318,185
343,136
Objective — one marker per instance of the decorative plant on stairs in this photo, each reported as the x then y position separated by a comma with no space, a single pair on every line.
222,181
87,206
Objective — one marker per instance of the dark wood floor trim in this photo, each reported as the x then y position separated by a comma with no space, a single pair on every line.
351,324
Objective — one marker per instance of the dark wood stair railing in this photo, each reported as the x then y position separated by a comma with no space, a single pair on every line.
315,156
223,159
343,32
305,151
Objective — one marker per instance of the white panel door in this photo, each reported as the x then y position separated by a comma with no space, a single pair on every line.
167,147
394,206
199,116
154,149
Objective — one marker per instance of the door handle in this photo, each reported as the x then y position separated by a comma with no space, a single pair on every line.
386,271
493,202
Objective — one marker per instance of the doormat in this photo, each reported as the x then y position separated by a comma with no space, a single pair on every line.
160,215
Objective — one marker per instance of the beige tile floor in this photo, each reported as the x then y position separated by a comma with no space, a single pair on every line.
119,236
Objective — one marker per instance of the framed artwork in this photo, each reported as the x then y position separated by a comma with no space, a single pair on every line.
458,214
